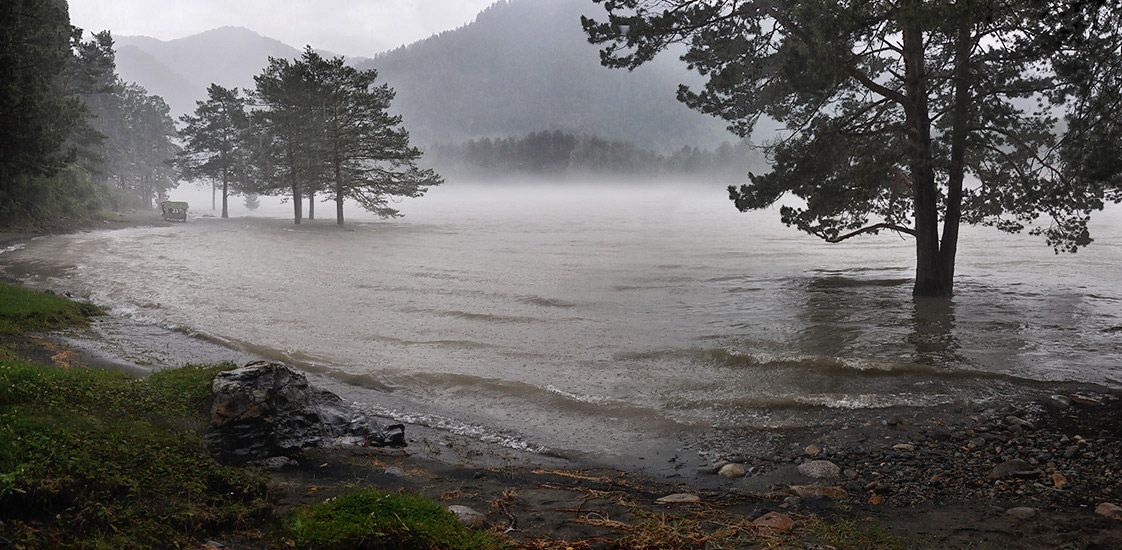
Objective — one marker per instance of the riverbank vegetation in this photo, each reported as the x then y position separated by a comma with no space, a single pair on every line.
93,458
75,139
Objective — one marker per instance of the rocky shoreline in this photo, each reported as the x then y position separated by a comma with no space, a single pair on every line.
990,479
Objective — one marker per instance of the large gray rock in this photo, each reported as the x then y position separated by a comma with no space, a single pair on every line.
265,409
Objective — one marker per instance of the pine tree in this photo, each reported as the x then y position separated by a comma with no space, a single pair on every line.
214,140
903,114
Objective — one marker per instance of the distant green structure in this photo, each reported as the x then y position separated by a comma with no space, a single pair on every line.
174,210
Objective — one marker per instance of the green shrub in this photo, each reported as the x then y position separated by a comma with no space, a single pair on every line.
373,519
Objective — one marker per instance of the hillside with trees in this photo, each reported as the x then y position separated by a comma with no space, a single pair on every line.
525,66
522,66
74,138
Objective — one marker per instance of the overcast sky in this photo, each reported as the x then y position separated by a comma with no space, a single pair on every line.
348,27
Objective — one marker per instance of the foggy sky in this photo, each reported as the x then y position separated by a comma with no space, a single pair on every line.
348,27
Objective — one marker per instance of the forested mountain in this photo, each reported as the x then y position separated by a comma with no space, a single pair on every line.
526,66
522,66
181,70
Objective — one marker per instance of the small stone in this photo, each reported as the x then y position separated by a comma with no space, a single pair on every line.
791,503
813,450
1071,451
1058,402
1081,399
1021,512
1014,468
214,544
895,420
733,470
678,498
904,447
1017,421
827,493
468,516
1109,510
708,470
395,471
773,522
978,442
820,469
1059,480
851,474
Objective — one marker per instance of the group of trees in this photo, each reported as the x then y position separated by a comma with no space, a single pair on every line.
312,125
559,153
904,114
74,139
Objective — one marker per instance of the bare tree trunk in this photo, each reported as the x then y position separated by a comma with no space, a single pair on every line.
959,131
338,196
931,276
225,193
296,204
312,205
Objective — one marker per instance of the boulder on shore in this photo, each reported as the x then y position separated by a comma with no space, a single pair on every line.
266,409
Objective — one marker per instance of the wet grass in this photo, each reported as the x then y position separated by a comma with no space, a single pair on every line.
95,459
23,310
373,519
98,459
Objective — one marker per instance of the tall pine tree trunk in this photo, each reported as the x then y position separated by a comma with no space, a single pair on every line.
312,205
932,277
225,193
959,120
297,207
338,195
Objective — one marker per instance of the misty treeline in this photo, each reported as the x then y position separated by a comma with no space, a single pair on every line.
559,153
74,139
311,125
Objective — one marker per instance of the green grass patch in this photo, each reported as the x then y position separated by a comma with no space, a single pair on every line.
23,310
858,534
373,519
96,459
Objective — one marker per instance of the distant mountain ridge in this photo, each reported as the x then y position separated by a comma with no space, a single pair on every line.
525,66
181,70
521,66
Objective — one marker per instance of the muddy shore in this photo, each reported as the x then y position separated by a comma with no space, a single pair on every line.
1031,476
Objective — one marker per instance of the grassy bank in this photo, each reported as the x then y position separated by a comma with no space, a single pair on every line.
23,310
98,459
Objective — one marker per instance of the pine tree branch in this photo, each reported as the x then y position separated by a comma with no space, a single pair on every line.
870,229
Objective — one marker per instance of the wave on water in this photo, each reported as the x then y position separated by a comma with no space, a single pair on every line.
547,302
13,248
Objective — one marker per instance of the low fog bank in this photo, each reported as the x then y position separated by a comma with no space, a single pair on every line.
460,188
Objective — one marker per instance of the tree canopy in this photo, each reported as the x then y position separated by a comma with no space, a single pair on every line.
324,125
213,140
901,115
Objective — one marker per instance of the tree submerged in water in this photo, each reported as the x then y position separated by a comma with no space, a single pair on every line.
899,115
324,126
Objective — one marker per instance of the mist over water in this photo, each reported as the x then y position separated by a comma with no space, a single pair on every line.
602,318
